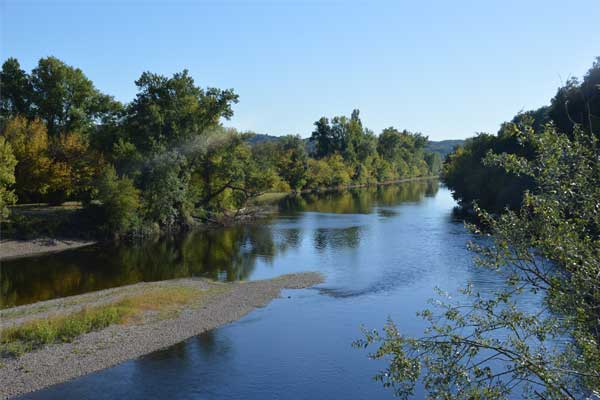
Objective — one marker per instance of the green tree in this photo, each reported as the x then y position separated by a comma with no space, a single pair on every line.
15,86
225,176
318,174
66,100
434,163
119,202
578,103
493,344
493,188
170,111
7,177
292,163
165,184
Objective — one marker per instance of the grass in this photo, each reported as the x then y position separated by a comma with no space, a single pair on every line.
271,197
31,335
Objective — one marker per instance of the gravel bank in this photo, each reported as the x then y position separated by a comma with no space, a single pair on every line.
98,350
24,248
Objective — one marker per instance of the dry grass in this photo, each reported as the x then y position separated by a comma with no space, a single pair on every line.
164,302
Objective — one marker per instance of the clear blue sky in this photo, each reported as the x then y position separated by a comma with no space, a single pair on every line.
446,68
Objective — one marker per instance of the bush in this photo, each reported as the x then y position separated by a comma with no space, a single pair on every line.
7,177
119,202
165,184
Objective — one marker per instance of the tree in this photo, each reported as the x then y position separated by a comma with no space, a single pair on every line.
578,103
7,177
165,184
493,344
323,138
170,111
66,100
29,142
434,163
341,174
292,161
318,174
50,169
16,90
225,176
74,168
493,188
388,144
119,202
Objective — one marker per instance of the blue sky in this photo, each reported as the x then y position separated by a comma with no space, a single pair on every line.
445,68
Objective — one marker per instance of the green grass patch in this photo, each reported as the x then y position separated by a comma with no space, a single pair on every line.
31,335
268,198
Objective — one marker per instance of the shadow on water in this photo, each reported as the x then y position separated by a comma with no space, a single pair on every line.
227,254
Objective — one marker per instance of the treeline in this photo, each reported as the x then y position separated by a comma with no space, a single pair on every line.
576,104
164,160
545,166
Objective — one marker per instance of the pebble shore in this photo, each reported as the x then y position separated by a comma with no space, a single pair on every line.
95,351
10,248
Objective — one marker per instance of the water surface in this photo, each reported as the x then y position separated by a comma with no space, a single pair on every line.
382,251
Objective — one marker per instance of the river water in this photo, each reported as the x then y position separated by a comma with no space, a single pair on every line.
382,250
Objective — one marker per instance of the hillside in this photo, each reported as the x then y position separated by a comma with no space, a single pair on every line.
443,147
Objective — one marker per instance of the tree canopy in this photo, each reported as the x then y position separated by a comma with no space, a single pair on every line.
535,190
164,160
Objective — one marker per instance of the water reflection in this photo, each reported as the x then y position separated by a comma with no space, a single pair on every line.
361,200
225,254
377,265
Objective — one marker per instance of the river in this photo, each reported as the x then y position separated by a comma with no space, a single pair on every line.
382,250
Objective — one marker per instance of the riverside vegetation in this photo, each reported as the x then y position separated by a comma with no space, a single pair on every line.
535,188
31,335
51,342
164,161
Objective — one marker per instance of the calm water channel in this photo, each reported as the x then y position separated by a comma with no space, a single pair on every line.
382,251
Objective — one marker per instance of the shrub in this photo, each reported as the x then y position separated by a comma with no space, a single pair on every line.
119,202
7,177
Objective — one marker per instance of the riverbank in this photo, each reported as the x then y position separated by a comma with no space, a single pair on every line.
13,248
217,304
17,248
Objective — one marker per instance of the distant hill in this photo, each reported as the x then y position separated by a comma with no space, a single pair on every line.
443,147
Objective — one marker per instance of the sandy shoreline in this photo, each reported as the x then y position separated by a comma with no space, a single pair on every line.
10,248
95,351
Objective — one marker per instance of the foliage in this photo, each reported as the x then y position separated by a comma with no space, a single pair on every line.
58,94
30,336
172,161
119,202
16,90
164,183
36,333
487,345
75,167
443,147
491,187
50,169
7,177
169,111
292,162
34,171
576,103
225,175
